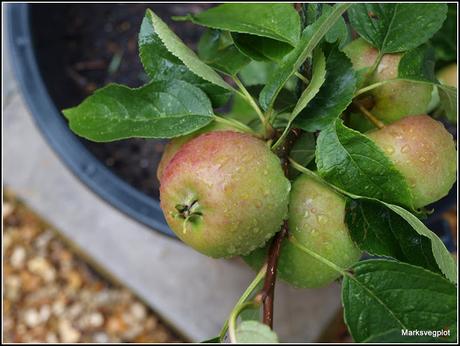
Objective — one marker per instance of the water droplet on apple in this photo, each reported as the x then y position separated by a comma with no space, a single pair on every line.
322,219
389,149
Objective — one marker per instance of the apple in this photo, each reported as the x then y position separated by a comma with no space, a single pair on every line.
175,144
448,75
424,152
393,100
224,193
317,220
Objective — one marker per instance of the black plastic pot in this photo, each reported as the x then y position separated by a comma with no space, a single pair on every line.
54,127
83,163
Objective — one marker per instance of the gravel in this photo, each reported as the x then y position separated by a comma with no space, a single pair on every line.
52,295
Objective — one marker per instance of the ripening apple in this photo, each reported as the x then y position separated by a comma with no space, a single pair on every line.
393,100
424,152
224,193
175,144
317,221
448,75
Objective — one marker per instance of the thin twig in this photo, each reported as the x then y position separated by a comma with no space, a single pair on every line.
97,64
283,148
82,82
302,77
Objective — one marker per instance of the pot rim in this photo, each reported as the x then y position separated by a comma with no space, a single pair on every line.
52,125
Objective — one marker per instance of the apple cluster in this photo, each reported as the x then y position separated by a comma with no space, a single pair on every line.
224,192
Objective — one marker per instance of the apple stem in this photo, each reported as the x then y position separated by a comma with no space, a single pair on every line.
235,123
369,115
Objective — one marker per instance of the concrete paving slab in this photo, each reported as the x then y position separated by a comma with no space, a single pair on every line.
192,292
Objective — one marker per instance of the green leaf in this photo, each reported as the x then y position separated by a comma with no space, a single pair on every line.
160,64
382,296
317,79
352,162
256,73
213,40
218,51
443,258
261,48
276,21
249,332
175,45
311,37
396,27
303,151
157,110
338,33
379,231
448,97
445,40
334,96
215,340
241,110
418,65
250,314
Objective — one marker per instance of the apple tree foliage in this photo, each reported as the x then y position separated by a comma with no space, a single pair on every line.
281,68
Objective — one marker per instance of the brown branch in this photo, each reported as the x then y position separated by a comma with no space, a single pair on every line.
267,294
268,291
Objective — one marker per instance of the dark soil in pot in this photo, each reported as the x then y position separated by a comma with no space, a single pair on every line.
82,47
